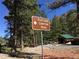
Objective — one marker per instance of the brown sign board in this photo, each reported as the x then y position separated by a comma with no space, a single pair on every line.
40,23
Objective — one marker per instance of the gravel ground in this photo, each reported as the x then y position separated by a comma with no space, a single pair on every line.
5,56
62,51
55,51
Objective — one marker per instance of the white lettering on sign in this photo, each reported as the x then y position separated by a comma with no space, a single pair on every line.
44,27
40,23
43,23
35,22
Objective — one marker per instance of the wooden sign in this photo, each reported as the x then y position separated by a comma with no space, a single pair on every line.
40,23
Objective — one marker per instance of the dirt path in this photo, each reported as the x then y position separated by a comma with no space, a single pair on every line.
5,56
51,52
56,51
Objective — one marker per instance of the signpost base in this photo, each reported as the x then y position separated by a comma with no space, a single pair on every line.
42,44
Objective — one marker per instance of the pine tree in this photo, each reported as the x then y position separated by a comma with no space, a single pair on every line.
19,20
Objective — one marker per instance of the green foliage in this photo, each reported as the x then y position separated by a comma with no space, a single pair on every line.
19,23
3,45
2,41
19,20
5,49
65,24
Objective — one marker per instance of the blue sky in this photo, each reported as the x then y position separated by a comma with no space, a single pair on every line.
48,12
54,12
3,24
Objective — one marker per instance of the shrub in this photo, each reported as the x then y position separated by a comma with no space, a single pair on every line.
5,49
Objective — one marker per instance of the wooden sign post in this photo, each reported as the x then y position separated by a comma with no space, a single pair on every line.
40,23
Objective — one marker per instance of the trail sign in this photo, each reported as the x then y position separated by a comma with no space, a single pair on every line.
40,23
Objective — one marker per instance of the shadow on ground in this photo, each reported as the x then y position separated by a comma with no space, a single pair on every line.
26,55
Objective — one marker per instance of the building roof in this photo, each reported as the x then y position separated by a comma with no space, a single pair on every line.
67,36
